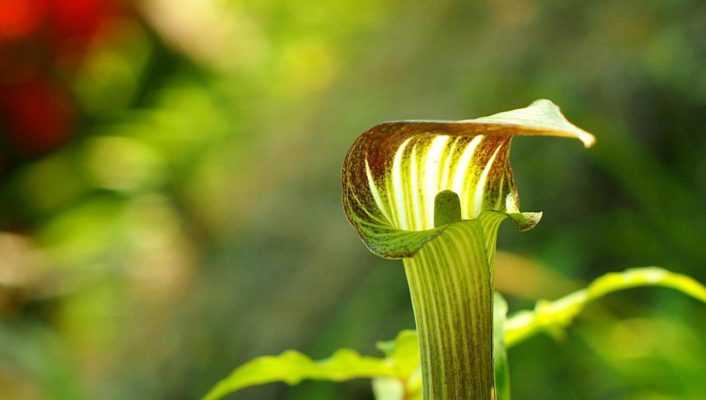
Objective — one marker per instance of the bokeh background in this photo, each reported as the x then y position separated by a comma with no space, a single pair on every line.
169,185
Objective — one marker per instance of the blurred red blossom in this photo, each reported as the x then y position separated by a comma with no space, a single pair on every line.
75,24
20,18
41,40
38,115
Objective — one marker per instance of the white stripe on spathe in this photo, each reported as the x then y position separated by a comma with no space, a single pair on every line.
431,178
399,189
374,191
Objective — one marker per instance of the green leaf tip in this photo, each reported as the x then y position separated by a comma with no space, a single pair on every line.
394,171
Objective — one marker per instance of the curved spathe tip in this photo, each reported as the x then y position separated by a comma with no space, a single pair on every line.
541,118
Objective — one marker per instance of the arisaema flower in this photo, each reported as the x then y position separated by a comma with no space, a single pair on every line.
434,193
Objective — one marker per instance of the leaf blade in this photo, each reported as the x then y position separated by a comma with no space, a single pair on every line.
292,367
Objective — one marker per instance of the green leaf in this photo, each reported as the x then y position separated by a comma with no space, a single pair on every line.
557,315
400,363
402,353
292,367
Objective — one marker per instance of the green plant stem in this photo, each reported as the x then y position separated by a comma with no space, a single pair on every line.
555,316
451,290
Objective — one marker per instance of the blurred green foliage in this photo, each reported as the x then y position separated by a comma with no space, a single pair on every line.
174,208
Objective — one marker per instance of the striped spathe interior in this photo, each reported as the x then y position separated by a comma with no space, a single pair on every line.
394,171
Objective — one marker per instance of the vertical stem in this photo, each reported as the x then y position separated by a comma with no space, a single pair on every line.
451,290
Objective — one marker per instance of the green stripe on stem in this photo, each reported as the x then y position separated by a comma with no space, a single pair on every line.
450,282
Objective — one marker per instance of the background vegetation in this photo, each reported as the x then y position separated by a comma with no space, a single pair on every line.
169,185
